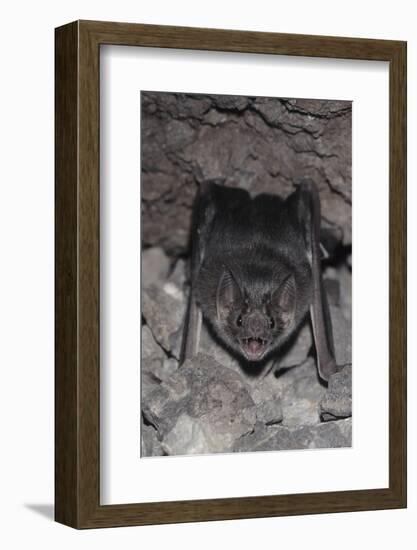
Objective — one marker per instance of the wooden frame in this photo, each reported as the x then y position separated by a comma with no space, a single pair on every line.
77,406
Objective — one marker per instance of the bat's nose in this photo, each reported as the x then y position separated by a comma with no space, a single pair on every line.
256,323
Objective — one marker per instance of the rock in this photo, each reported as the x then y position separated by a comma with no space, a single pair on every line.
342,336
186,437
164,311
148,379
277,438
179,274
301,392
332,287
203,408
164,405
269,412
265,389
170,366
159,369
345,278
298,350
150,445
261,144
149,348
337,403
155,266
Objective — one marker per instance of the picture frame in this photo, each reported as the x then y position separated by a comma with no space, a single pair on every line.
77,336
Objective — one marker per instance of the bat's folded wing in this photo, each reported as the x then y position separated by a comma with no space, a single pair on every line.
309,216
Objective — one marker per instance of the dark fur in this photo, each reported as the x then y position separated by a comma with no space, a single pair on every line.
252,275
243,239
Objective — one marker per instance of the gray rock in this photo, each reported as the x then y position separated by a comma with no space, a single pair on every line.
150,446
159,369
337,403
164,405
301,393
150,349
332,287
155,266
265,389
187,437
164,311
345,278
277,438
342,335
169,367
299,350
179,274
149,379
192,137
203,408
269,412
338,283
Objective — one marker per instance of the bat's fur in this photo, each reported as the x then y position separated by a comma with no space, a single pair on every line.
243,241
255,272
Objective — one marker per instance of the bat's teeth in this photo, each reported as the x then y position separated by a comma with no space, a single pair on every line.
251,339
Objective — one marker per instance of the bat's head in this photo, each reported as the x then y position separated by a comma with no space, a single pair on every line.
256,319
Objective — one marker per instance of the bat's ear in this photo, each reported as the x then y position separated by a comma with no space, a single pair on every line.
228,294
284,301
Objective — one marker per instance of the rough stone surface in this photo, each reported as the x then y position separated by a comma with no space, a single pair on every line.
260,144
342,335
164,310
337,402
344,275
269,412
150,349
179,275
159,369
332,287
301,392
150,444
155,266
204,407
277,438
149,379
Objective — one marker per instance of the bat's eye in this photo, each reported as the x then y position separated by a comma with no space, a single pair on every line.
239,321
271,322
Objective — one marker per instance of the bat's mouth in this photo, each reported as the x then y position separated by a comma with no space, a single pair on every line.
254,348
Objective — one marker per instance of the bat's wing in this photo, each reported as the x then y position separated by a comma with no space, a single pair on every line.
308,206
203,215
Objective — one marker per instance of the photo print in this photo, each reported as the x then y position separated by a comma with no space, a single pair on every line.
246,268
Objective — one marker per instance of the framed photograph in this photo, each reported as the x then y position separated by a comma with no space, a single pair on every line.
230,274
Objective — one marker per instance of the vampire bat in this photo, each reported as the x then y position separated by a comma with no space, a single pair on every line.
256,272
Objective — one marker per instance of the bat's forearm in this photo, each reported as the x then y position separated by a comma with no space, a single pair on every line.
192,330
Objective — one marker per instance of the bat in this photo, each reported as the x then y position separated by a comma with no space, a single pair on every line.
256,273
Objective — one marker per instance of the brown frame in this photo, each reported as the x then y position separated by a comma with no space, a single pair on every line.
77,274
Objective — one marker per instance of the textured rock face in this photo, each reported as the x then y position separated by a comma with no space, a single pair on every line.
214,403
279,438
204,407
337,403
164,309
260,144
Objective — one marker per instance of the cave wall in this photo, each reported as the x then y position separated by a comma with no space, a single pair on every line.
258,143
